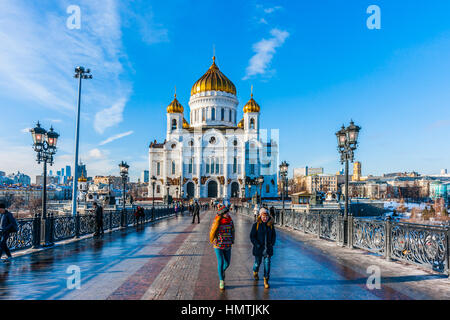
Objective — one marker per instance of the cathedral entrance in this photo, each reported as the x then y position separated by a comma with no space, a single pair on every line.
234,189
190,190
212,189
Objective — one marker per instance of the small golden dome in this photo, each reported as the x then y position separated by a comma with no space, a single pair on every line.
175,106
251,105
82,178
185,124
241,124
213,80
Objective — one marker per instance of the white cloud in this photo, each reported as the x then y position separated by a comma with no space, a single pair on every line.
115,137
110,116
271,10
25,130
95,154
39,54
264,52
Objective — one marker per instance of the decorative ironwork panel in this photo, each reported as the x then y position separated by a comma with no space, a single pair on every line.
63,227
130,217
87,224
23,238
369,235
301,221
115,219
329,226
311,223
418,244
106,220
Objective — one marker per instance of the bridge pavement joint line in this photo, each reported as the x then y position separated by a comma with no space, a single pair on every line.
411,280
176,280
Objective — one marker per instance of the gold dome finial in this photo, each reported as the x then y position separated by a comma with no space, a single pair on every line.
251,105
175,106
213,80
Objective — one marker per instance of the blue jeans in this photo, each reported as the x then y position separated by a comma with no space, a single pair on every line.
223,261
258,260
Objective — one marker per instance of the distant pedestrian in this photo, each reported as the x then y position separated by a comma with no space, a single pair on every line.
196,212
98,211
263,238
7,225
221,236
255,212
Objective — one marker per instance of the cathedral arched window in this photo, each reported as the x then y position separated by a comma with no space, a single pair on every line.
252,123
222,114
213,114
174,124
267,188
203,114
173,167
229,114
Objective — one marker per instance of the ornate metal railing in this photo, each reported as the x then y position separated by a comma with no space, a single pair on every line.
369,235
424,245
329,226
23,238
62,227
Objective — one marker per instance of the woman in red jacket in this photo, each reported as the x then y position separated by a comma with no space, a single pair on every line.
222,233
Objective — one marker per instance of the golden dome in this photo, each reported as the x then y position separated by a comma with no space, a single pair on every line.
213,80
185,124
251,106
82,178
241,124
175,106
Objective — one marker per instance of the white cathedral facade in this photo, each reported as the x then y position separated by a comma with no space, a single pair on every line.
213,156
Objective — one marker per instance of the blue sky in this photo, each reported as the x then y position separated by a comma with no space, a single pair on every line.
314,65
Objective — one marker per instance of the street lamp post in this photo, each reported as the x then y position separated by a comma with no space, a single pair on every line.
44,143
347,143
260,181
80,73
153,195
124,173
284,166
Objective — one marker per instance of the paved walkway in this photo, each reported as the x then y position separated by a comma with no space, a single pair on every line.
173,259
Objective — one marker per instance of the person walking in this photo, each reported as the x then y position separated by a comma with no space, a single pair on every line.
7,225
98,210
221,236
263,238
196,212
255,212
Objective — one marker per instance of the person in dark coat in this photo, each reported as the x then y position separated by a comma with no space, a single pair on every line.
196,212
7,225
98,210
263,238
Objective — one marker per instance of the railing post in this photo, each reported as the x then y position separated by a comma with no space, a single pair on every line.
36,231
48,230
350,232
77,225
388,239
318,225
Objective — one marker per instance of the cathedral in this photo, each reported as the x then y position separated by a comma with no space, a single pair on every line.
213,155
